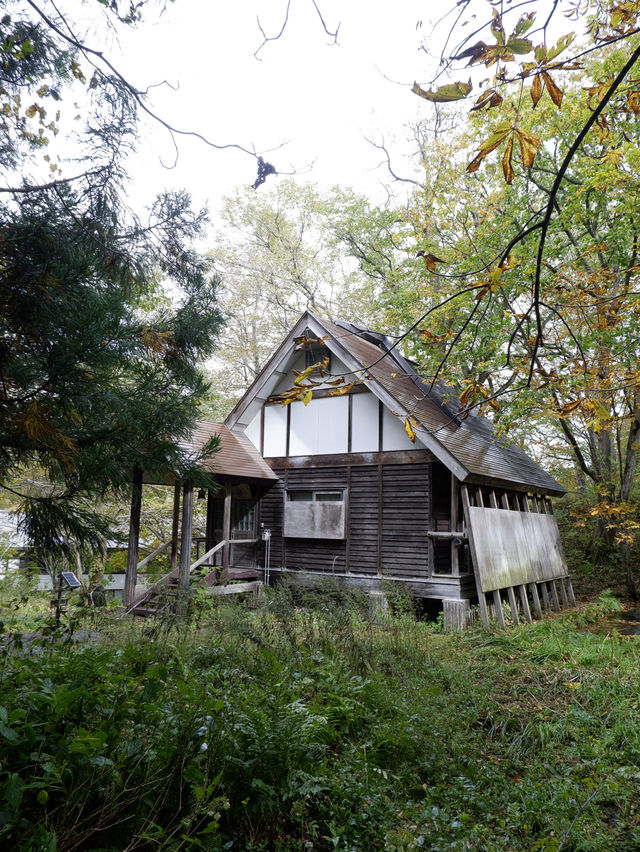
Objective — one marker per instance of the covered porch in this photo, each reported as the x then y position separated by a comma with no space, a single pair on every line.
231,538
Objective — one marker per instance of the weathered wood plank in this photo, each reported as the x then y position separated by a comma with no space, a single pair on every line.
466,506
497,602
536,600
545,597
515,548
563,594
572,597
524,600
555,603
513,604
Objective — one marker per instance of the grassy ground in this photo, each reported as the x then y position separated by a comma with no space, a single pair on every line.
306,725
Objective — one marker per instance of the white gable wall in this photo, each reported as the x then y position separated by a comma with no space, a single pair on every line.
394,436
275,431
365,417
319,428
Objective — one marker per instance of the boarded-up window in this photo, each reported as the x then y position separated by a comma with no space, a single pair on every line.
314,514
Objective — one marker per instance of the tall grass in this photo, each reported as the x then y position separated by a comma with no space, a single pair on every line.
309,724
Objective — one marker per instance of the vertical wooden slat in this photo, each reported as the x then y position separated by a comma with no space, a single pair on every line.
349,420
536,600
131,575
505,500
563,594
513,604
555,603
534,504
572,597
262,431
175,526
226,524
187,534
545,597
484,614
525,503
492,499
497,602
524,600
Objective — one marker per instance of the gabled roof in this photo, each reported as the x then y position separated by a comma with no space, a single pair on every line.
236,459
467,447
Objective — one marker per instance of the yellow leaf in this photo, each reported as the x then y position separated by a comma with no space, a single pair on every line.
444,94
536,90
408,428
307,397
529,145
554,92
507,168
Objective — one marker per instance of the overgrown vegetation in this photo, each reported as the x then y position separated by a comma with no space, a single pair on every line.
315,726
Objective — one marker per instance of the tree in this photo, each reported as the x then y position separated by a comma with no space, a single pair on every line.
98,374
289,250
578,385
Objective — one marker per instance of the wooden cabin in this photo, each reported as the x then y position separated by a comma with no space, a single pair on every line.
456,516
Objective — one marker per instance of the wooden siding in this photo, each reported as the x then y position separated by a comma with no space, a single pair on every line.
271,515
363,519
388,516
405,520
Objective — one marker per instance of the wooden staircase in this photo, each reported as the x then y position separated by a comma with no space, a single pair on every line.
164,595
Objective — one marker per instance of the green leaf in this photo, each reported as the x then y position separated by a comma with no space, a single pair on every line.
562,44
520,45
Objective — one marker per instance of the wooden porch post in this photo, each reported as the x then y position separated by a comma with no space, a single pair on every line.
175,526
131,575
226,525
211,528
187,534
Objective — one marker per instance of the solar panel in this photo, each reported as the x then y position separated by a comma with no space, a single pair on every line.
71,580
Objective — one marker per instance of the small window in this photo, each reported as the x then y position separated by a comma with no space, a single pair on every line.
315,496
301,496
317,354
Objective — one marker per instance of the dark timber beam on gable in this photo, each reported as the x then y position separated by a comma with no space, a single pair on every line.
351,459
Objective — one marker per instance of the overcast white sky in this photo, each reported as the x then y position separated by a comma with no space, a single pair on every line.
321,100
